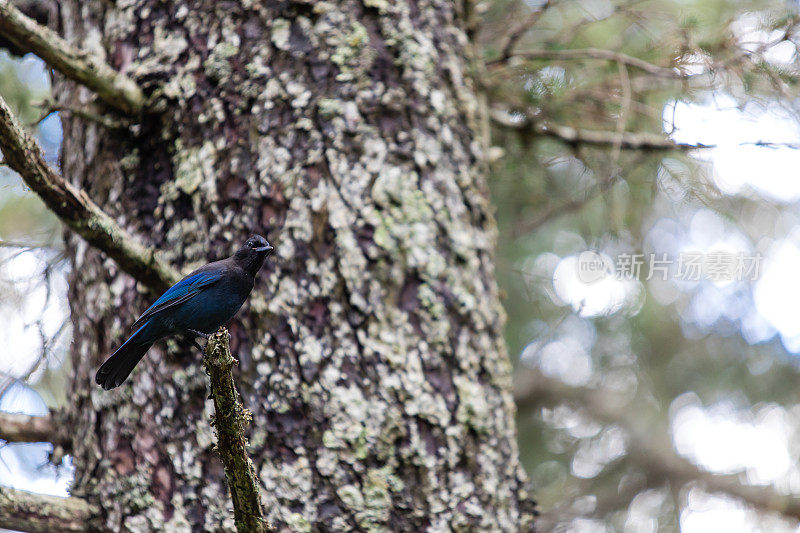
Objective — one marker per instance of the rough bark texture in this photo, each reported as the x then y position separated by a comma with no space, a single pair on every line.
371,350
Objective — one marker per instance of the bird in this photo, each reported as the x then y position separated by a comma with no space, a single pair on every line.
198,304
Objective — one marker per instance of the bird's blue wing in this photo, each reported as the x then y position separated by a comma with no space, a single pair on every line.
180,292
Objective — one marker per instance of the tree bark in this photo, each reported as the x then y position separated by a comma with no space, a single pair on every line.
371,349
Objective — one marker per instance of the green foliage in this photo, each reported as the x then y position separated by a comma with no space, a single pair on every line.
555,199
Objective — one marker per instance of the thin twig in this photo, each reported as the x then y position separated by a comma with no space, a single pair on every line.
521,29
559,210
774,145
596,54
574,136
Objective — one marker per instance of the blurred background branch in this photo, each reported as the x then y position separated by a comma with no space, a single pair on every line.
649,444
574,136
649,129
23,428
38,513
117,90
593,53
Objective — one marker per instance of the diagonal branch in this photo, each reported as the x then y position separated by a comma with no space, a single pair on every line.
521,29
77,210
598,138
37,513
555,211
24,428
91,113
650,448
114,88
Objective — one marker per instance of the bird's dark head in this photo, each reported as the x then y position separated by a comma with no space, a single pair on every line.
252,255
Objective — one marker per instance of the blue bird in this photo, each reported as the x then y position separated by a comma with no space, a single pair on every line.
199,304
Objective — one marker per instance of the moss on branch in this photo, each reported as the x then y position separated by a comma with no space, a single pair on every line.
26,34
74,207
230,421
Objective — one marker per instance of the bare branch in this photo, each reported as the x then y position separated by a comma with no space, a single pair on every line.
76,210
521,29
230,420
24,428
569,206
114,88
91,113
599,138
599,54
36,513
651,448
770,144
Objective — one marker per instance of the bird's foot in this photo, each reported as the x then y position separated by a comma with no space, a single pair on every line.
197,344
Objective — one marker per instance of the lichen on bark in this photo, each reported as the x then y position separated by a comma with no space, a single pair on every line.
230,420
371,348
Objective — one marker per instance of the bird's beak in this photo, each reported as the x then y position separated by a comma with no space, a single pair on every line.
267,248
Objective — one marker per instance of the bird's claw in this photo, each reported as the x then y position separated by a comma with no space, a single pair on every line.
197,344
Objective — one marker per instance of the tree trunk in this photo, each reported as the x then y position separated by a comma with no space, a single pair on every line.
371,348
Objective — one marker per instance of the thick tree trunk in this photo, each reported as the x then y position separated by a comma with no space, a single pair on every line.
371,349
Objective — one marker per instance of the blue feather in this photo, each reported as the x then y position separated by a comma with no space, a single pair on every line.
182,291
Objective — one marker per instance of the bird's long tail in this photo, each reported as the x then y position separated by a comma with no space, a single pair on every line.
119,366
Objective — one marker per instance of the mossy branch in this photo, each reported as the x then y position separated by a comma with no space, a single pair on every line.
74,207
230,421
37,513
26,34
